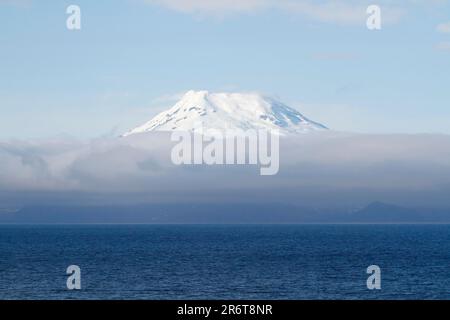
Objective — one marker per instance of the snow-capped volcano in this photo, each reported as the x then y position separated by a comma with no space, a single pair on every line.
228,111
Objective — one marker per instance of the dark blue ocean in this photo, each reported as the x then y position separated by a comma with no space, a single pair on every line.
225,262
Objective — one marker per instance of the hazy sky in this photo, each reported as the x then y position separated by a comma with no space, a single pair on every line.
132,58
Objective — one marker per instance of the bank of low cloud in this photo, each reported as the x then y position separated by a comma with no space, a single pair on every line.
311,166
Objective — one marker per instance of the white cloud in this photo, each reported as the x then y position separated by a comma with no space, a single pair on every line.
142,163
334,56
443,27
168,99
331,11
443,46
213,6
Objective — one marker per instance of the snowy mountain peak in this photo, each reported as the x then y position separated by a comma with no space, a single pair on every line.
229,111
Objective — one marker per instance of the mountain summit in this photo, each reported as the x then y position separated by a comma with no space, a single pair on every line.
229,111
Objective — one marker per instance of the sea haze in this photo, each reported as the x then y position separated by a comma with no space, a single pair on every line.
221,213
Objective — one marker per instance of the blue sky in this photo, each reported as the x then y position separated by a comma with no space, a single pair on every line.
133,58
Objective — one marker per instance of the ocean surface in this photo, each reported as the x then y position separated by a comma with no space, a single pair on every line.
225,262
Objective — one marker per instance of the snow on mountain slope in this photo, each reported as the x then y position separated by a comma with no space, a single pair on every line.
229,111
